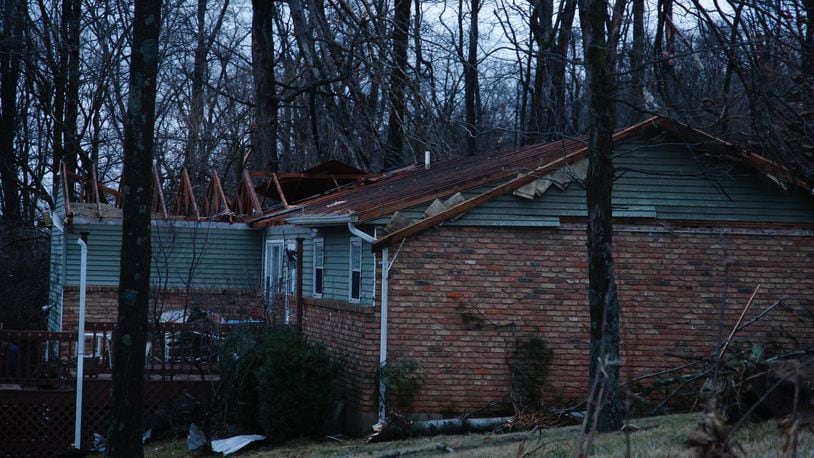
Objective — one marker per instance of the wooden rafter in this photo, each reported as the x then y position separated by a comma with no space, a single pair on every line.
247,201
101,188
185,198
279,190
215,199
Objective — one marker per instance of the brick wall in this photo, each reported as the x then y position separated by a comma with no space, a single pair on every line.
351,333
101,303
461,296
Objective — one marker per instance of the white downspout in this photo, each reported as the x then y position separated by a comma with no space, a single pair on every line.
383,324
80,344
383,333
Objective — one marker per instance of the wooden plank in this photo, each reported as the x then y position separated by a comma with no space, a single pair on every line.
279,190
219,190
185,193
248,189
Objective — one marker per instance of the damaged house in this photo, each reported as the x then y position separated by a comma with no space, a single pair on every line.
452,268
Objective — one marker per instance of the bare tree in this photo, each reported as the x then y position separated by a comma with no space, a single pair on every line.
398,81
471,86
125,438
266,103
11,45
602,295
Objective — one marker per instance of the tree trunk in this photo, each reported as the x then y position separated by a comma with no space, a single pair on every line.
266,102
398,79
71,18
542,33
557,116
192,157
10,49
471,81
664,47
134,281
808,65
603,301
637,64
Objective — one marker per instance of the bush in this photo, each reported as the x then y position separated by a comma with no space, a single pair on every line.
276,382
402,381
529,366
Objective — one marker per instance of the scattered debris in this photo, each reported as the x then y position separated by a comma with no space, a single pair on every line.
196,438
395,427
100,441
541,420
233,444
444,447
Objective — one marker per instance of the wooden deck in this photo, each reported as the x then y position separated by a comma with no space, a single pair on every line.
39,422
38,381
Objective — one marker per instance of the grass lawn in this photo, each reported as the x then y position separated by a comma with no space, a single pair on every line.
657,437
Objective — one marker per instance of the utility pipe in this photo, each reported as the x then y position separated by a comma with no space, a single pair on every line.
80,344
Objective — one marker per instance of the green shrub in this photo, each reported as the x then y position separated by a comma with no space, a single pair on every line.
402,381
276,382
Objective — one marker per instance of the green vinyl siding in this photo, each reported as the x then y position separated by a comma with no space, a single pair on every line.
336,274
654,179
336,264
196,255
683,183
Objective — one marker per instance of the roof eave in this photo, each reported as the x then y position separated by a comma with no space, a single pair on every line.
323,220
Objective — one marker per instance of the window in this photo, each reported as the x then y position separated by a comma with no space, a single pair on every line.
273,268
291,262
355,269
319,265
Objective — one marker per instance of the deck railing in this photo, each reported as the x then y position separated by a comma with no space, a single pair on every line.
49,358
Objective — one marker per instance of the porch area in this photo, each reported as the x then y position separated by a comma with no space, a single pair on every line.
38,372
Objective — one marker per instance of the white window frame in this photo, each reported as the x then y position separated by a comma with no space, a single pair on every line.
319,245
291,270
354,242
267,265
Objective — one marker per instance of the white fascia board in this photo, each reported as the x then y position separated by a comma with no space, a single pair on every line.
325,220
166,222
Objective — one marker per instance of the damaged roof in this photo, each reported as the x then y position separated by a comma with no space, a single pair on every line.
518,171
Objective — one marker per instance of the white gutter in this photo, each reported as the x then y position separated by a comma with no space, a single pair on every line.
328,220
383,324
361,234
80,344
